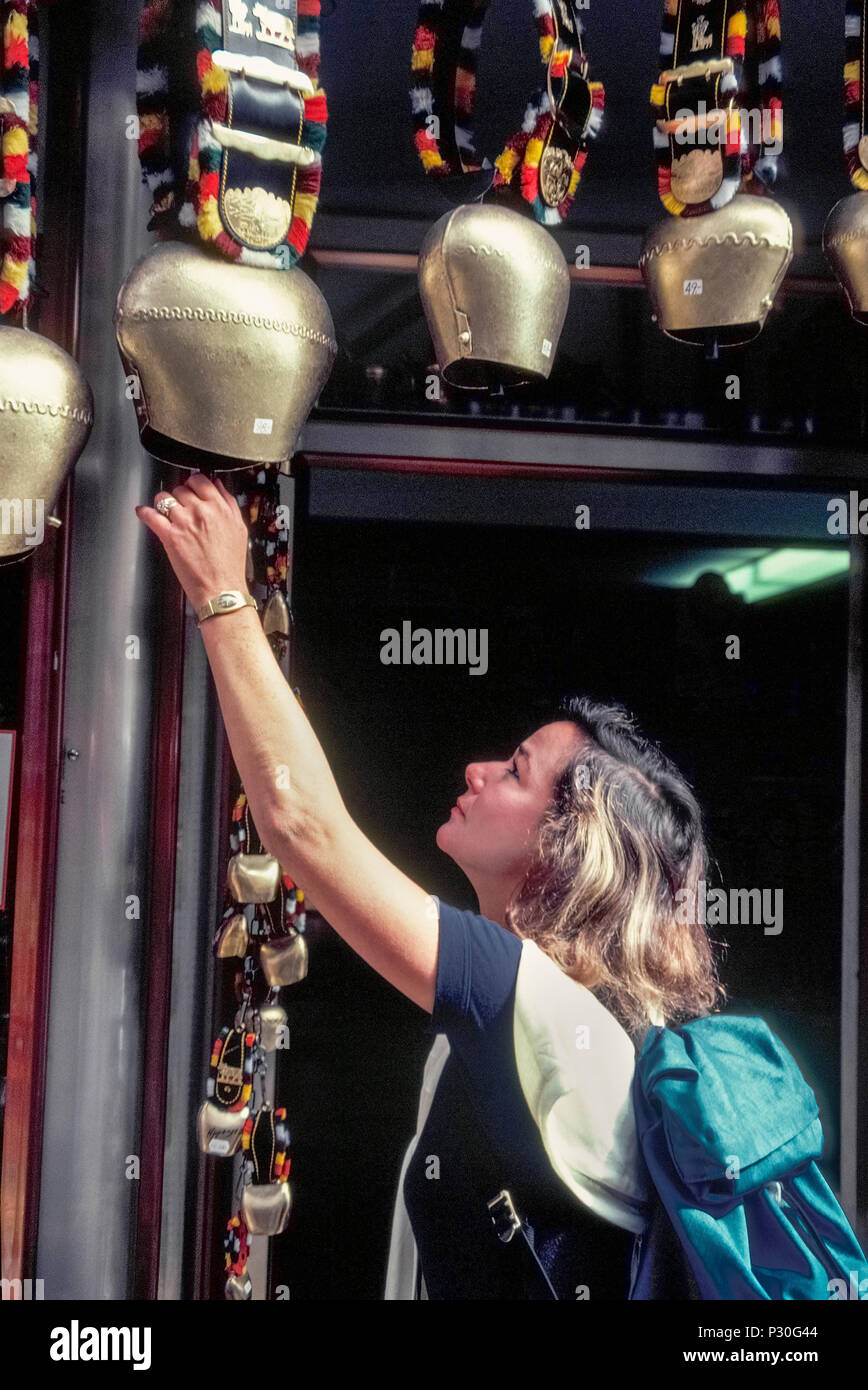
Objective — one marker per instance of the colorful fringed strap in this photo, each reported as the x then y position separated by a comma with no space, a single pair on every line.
855,135
236,1246
19,92
230,1075
541,165
718,122
238,165
265,1139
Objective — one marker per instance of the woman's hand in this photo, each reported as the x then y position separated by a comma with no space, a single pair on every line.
205,538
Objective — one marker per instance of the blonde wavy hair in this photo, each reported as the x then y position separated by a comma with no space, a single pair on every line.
621,836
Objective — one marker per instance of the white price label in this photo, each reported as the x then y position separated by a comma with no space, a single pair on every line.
262,426
218,1146
546,348
693,287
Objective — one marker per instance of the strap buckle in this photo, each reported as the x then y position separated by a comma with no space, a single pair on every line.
504,1217
686,72
262,146
712,67
263,69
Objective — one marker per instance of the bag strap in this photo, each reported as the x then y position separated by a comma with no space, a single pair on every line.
511,1227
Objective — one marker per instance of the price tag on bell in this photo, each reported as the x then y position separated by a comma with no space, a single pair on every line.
693,287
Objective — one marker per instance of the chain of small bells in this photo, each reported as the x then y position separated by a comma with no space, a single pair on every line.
262,930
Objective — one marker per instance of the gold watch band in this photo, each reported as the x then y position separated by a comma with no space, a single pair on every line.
229,601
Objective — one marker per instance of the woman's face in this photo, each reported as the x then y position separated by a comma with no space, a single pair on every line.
491,831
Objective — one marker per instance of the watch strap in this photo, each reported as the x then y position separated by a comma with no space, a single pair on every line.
226,602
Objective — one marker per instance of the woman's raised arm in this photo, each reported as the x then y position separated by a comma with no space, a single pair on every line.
299,813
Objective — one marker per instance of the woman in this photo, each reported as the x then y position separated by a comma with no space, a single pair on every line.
576,847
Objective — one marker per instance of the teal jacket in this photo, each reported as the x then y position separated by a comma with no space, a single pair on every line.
730,1132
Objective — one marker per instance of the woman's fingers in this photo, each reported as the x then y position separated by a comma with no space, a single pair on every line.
155,521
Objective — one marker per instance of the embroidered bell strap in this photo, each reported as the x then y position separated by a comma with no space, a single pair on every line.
541,164
294,913
855,133
268,563
232,124
265,1141
717,103
230,1075
19,103
236,1245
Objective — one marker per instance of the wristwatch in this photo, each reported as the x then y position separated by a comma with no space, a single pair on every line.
227,602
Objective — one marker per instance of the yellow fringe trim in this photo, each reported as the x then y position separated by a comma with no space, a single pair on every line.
305,206
860,179
431,159
546,44
658,94
533,152
671,204
851,71
215,80
774,28
209,222
738,25
506,164
15,273
671,6
16,28
15,141
423,58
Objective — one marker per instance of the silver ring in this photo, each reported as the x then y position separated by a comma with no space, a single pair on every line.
165,505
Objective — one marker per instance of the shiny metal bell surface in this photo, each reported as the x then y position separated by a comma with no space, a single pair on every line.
253,878
229,358
46,416
275,617
265,1207
285,960
272,1018
220,1131
845,242
239,1286
718,273
495,289
233,937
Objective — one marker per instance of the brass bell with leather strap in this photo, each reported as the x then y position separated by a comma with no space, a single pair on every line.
275,616
227,359
239,1287
272,1021
232,938
253,878
718,274
220,1131
265,1207
845,242
495,289
284,960
46,416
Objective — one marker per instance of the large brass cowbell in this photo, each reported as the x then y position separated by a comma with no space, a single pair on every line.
46,416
